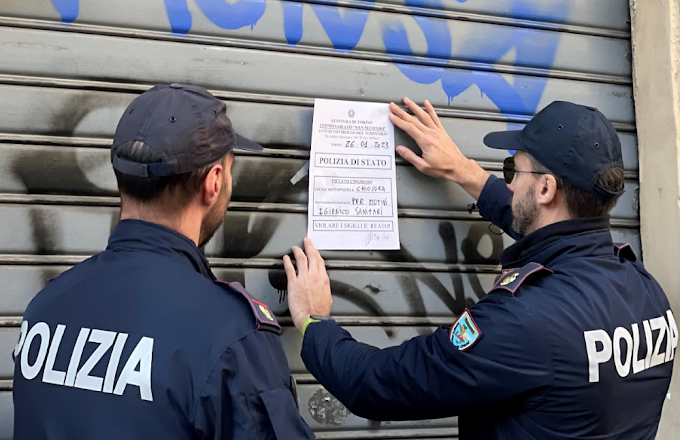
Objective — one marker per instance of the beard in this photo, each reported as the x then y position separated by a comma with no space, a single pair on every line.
524,213
214,219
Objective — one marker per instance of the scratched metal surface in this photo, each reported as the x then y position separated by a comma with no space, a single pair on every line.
599,15
262,179
48,53
384,294
304,27
90,117
6,415
70,67
83,230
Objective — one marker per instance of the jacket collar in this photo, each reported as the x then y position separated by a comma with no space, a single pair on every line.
140,235
582,237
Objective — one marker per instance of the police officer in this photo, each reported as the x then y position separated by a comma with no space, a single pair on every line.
141,341
575,340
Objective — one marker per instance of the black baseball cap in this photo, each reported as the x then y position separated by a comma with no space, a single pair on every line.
575,142
186,124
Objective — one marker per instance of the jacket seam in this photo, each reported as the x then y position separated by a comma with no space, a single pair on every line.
252,418
552,361
605,256
197,397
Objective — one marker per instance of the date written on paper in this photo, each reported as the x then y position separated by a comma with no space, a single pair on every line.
367,144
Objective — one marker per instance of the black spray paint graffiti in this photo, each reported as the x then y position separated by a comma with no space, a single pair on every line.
251,241
243,242
246,235
61,174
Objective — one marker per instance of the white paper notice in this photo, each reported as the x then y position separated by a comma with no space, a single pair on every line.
352,177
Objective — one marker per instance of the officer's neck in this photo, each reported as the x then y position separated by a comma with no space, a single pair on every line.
185,221
548,217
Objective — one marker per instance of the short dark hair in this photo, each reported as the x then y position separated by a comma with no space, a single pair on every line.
581,203
178,189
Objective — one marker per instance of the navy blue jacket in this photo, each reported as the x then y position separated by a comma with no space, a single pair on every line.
577,341
139,342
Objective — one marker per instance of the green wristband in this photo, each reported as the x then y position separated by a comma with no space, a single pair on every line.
308,321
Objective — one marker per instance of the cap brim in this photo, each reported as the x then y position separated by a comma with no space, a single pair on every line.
246,144
504,140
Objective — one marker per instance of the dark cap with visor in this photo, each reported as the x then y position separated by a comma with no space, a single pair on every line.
576,143
185,124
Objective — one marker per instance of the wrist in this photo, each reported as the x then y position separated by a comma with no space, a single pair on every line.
308,321
300,319
472,177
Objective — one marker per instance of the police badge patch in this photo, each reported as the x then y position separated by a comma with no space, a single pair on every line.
464,332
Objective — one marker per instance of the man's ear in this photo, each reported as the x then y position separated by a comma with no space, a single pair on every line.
212,184
546,191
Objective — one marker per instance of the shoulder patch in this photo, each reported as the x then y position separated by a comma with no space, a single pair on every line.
625,250
511,280
464,332
263,315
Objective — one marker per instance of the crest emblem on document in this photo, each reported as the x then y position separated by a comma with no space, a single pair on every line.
464,332
509,279
265,311
350,113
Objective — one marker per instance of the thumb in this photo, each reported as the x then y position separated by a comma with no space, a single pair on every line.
412,157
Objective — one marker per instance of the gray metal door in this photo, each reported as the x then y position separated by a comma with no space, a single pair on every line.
68,68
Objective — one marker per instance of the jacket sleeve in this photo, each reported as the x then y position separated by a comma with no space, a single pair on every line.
428,377
495,206
249,394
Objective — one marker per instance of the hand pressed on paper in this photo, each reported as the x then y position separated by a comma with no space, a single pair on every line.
441,156
309,290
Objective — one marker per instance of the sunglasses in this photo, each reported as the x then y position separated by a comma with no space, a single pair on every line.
509,170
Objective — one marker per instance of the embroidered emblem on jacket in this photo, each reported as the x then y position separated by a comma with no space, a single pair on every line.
464,332
266,312
509,279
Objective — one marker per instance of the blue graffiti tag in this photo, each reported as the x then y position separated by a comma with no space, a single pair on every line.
226,15
492,45
520,97
68,9
438,40
292,22
179,16
344,29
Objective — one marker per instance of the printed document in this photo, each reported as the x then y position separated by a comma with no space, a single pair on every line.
352,177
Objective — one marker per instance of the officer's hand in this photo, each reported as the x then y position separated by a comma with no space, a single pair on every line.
441,156
309,291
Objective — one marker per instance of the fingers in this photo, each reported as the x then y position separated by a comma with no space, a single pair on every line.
301,260
433,114
311,249
423,116
408,127
315,260
289,268
401,114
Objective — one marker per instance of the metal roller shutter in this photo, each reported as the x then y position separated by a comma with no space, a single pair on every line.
68,68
